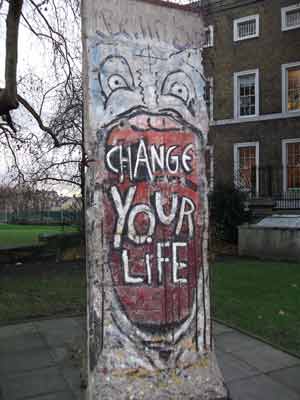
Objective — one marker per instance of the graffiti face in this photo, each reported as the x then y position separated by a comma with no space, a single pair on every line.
152,123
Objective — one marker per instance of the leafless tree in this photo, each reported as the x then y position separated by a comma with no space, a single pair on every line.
44,137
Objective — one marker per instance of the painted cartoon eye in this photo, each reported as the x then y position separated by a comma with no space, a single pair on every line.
116,82
178,84
115,74
180,90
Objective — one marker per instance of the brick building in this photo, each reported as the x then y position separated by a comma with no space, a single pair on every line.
253,66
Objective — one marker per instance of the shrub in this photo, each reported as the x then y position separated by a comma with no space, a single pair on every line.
227,210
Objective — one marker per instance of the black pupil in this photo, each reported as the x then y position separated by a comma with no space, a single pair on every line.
116,82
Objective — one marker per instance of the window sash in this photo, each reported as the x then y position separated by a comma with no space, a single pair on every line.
293,89
292,18
293,165
246,161
247,29
247,95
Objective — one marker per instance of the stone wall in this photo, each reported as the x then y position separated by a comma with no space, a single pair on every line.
269,243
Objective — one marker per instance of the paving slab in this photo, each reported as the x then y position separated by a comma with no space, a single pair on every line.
15,338
54,396
290,377
219,329
59,332
53,351
25,361
18,344
71,367
73,378
231,341
266,358
260,388
16,329
233,368
34,383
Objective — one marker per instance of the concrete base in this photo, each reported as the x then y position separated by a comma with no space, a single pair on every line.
200,381
269,243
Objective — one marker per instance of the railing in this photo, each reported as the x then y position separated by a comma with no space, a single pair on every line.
61,217
268,182
289,200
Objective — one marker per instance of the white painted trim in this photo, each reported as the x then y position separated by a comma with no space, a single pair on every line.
210,148
264,117
284,143
284,86
209,28
211,98
284,11
236,160
236,102
238,21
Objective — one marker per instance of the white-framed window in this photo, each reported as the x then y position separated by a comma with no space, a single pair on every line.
291,164
290,17
209,97
246,164
246,94
246,28
209,36
291,87
209,162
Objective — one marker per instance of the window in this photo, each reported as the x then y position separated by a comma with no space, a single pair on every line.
209,162
209,36
291,87
246,94
209,97
246,28
246,161
290,17
291,164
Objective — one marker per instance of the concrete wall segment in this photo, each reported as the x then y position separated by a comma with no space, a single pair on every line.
146,129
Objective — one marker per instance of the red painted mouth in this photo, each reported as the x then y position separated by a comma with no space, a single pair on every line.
151,206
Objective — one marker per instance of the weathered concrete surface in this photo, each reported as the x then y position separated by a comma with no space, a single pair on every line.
146,128
252,369
269,243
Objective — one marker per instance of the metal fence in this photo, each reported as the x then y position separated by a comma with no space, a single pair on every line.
269,182
62,217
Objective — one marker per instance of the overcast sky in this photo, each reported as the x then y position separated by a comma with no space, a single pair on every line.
32,58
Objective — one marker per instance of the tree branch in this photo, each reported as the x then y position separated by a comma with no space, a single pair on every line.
39,120
8,95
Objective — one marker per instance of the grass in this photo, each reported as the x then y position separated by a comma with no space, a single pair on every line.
23,235
41,293
260,297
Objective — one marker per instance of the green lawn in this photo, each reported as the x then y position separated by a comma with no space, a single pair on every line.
22,235
260,297
47,292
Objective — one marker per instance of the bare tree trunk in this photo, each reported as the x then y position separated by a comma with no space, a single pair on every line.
8,95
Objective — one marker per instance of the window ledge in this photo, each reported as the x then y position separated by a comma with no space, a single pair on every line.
290,28
264,117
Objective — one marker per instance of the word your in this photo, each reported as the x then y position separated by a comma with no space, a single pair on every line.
134,159
128,213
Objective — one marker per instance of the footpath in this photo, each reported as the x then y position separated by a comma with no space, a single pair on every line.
41,360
